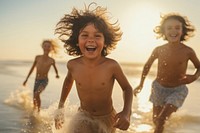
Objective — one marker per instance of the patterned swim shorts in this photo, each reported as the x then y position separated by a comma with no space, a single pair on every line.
40,82
161,95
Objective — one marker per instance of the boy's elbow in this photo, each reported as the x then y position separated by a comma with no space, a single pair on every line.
129,90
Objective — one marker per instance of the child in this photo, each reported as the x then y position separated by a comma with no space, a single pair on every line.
169,88
92,37
42,64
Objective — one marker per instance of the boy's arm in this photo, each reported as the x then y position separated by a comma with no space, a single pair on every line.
123,118
55,68
145,71
197,73
190,78
31,70
196,63
67,85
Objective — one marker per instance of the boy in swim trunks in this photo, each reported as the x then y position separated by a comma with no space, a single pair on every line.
91,37
42,64
169,88
84,122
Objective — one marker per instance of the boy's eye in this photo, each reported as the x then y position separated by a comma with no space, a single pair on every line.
84,35
98,35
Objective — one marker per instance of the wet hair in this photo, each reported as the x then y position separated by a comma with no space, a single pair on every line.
188,28
54,46
69,27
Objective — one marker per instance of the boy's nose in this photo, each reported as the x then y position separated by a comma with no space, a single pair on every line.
91,39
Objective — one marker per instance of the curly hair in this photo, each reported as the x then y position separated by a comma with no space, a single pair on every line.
69,27
188,28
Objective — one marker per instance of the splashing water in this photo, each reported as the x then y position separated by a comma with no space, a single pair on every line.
141,119
20,98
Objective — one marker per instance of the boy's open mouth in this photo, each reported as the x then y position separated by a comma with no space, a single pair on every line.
173,35
90,48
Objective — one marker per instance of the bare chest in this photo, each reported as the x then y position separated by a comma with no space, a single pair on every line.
96,79
173,58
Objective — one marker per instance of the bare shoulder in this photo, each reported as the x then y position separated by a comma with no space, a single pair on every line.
52,59
187,48
111,63
161,47
114,67
38,57
189,51
157,50
73,62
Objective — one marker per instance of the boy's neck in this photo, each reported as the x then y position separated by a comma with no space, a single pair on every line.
174,44
45,55
93,62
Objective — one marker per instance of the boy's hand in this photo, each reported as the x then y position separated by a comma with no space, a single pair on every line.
137,90
187,79
122,121
24,83
57,76
59,119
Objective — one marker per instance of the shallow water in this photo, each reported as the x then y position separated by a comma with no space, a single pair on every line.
16,103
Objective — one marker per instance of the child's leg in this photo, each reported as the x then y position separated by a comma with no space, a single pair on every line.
36,98
156,112
36,101
165,113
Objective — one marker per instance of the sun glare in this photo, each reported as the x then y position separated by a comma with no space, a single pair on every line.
145,18
143,98
138,28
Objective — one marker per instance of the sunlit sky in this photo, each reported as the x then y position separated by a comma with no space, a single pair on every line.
24,24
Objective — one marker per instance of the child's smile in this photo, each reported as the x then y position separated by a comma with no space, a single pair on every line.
90,48
173,30
91,41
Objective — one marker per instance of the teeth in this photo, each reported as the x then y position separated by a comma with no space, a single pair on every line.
90,47
173,35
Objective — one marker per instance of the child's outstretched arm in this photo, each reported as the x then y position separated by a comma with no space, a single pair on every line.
67,85
145,71
31,70
55,68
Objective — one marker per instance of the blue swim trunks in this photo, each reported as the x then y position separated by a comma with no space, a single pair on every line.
161,95
40,82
